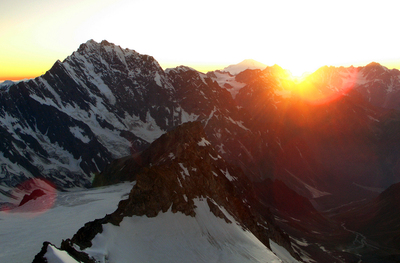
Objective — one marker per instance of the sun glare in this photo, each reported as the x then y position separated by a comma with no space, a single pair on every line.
298,77
297,73
313,90
300,71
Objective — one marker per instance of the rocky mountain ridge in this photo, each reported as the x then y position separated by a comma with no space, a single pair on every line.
104,102
176,170
242,66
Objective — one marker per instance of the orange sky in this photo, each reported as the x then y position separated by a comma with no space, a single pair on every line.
297,35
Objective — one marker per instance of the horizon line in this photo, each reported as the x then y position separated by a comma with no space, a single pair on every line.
205,69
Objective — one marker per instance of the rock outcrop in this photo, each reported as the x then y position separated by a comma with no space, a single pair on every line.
177,168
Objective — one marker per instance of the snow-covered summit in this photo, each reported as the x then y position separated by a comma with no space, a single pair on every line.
6,84
88,109
242,66
179,69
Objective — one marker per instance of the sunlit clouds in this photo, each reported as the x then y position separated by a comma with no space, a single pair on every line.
297,35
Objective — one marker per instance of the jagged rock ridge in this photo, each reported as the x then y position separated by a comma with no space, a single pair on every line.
175,173
96,105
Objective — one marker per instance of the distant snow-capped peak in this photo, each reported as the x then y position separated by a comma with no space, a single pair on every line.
242,66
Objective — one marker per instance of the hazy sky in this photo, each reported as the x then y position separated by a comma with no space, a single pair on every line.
298,35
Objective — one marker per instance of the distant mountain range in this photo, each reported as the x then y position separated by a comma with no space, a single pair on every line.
242,66
107,114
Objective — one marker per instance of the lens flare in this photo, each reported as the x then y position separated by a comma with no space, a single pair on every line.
33,197
315,90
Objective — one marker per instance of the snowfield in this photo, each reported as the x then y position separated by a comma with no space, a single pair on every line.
22,233
168,237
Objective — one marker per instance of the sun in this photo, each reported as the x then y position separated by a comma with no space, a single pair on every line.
299,74
314,91
300,69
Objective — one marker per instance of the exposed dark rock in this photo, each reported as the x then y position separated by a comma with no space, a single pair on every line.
85,234
39,258
217,211
32,196
67,246
179,166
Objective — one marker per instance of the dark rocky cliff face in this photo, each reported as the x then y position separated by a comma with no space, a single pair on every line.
100,103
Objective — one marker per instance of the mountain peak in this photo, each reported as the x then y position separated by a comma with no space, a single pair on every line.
374,64
89,44
375,70
93,42
242,66
93,46
251,61
106,43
